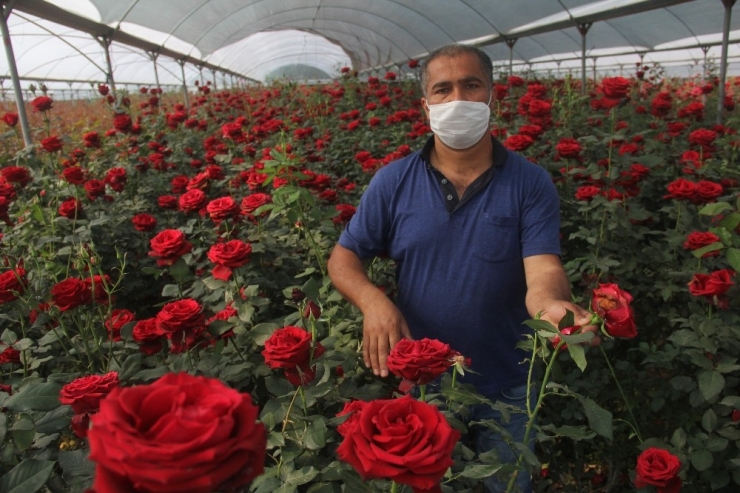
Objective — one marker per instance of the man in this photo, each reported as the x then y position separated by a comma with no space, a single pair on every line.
474,232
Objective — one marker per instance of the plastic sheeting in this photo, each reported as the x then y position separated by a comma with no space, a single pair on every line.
267,38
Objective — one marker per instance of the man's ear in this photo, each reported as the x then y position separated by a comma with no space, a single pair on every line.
425,107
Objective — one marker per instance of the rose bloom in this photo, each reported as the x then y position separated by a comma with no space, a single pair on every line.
51,144
118,318
116,179
74,175
420,361
179,184
16,174
404,440
681,189
122,122
518,142
539,108
707,191
615,87
182,434
168,246
228,256
11,119
144,222
11,282
70,208
568,147
702,137
252,202
192,200
183,322
147,335
91,139
659,468
167,202
42,103
699,239
70,293
85,393
587,192
98,286
710,285
612,304
10,355
222,208
353,408
289,348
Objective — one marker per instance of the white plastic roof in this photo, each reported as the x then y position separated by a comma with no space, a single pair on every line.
54,39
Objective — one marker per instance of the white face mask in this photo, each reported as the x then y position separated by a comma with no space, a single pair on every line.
460,124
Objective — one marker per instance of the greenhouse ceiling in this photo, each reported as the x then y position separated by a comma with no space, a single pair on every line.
230,40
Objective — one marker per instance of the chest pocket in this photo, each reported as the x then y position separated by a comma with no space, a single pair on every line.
496,238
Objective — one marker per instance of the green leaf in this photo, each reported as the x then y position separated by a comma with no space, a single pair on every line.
179,270
701,460
480,471
55,420
699,252
714,209
541,325
76,463
3,426
599,419
278,386
709,420
27,477
315,437
730,222
39,397
578,354
170,291
733,257
568,320
213,283
261,332
575,433
131,365
711,383
245,312
678,440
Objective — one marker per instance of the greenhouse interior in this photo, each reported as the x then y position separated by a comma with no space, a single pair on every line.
191,302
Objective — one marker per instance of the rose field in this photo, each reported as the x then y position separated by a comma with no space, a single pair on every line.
168,325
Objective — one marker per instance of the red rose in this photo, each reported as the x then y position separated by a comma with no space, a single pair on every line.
168,246
533,131
227,256
74,175
116,179
518,142
568,147
612,304
10,355
222,208
289,348
51,144
346,211
183,322
103,89
182,433
147,335
118,318
81,425
252,202
179,184
353,408
192,200
587,192
11,284
710,285
681,189
122,122
420,361
42,103
707,191
91,139
99,287
404,440
11,119
539,108
144,222
94,189
702,137
70,293
167,202
311,310
615,87
698,239
659,468
16,174
85,393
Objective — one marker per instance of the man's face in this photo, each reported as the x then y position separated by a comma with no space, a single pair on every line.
455,78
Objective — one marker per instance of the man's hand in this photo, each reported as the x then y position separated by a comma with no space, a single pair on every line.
554,311
383,327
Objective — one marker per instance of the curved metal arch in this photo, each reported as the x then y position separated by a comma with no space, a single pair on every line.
400,28
285,56
61,39
496,30
272,60
696,37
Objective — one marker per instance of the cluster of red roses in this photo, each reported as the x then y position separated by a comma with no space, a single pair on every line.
713,286
701,192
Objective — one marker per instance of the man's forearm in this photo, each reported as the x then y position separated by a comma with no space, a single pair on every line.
349,276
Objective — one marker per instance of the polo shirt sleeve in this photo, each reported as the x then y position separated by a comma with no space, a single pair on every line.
366,234
540,226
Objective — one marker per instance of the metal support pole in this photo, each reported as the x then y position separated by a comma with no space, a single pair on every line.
213,72
594,70
723,65
200,75
705,49
22,116
184,84
510,42
583,29
105,43
154,55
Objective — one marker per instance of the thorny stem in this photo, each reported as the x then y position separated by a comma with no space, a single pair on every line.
624,398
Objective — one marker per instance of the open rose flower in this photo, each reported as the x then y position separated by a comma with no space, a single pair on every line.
289,348
613,305
227,256
182,322
659,468
70,293
180,434
404,440
615,87
117,320
85,393
11,284
420,361
710,285
354,409
168,246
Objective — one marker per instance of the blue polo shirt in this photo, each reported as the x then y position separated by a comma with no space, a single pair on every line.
460,275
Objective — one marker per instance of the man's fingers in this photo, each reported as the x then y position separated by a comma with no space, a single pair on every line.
373,348
382,355
366,349
405,332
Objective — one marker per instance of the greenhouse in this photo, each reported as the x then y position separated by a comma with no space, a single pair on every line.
326,246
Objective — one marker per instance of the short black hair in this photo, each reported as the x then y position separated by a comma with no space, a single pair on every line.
455,49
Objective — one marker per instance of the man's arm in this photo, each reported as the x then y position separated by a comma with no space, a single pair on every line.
383,324
548,292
